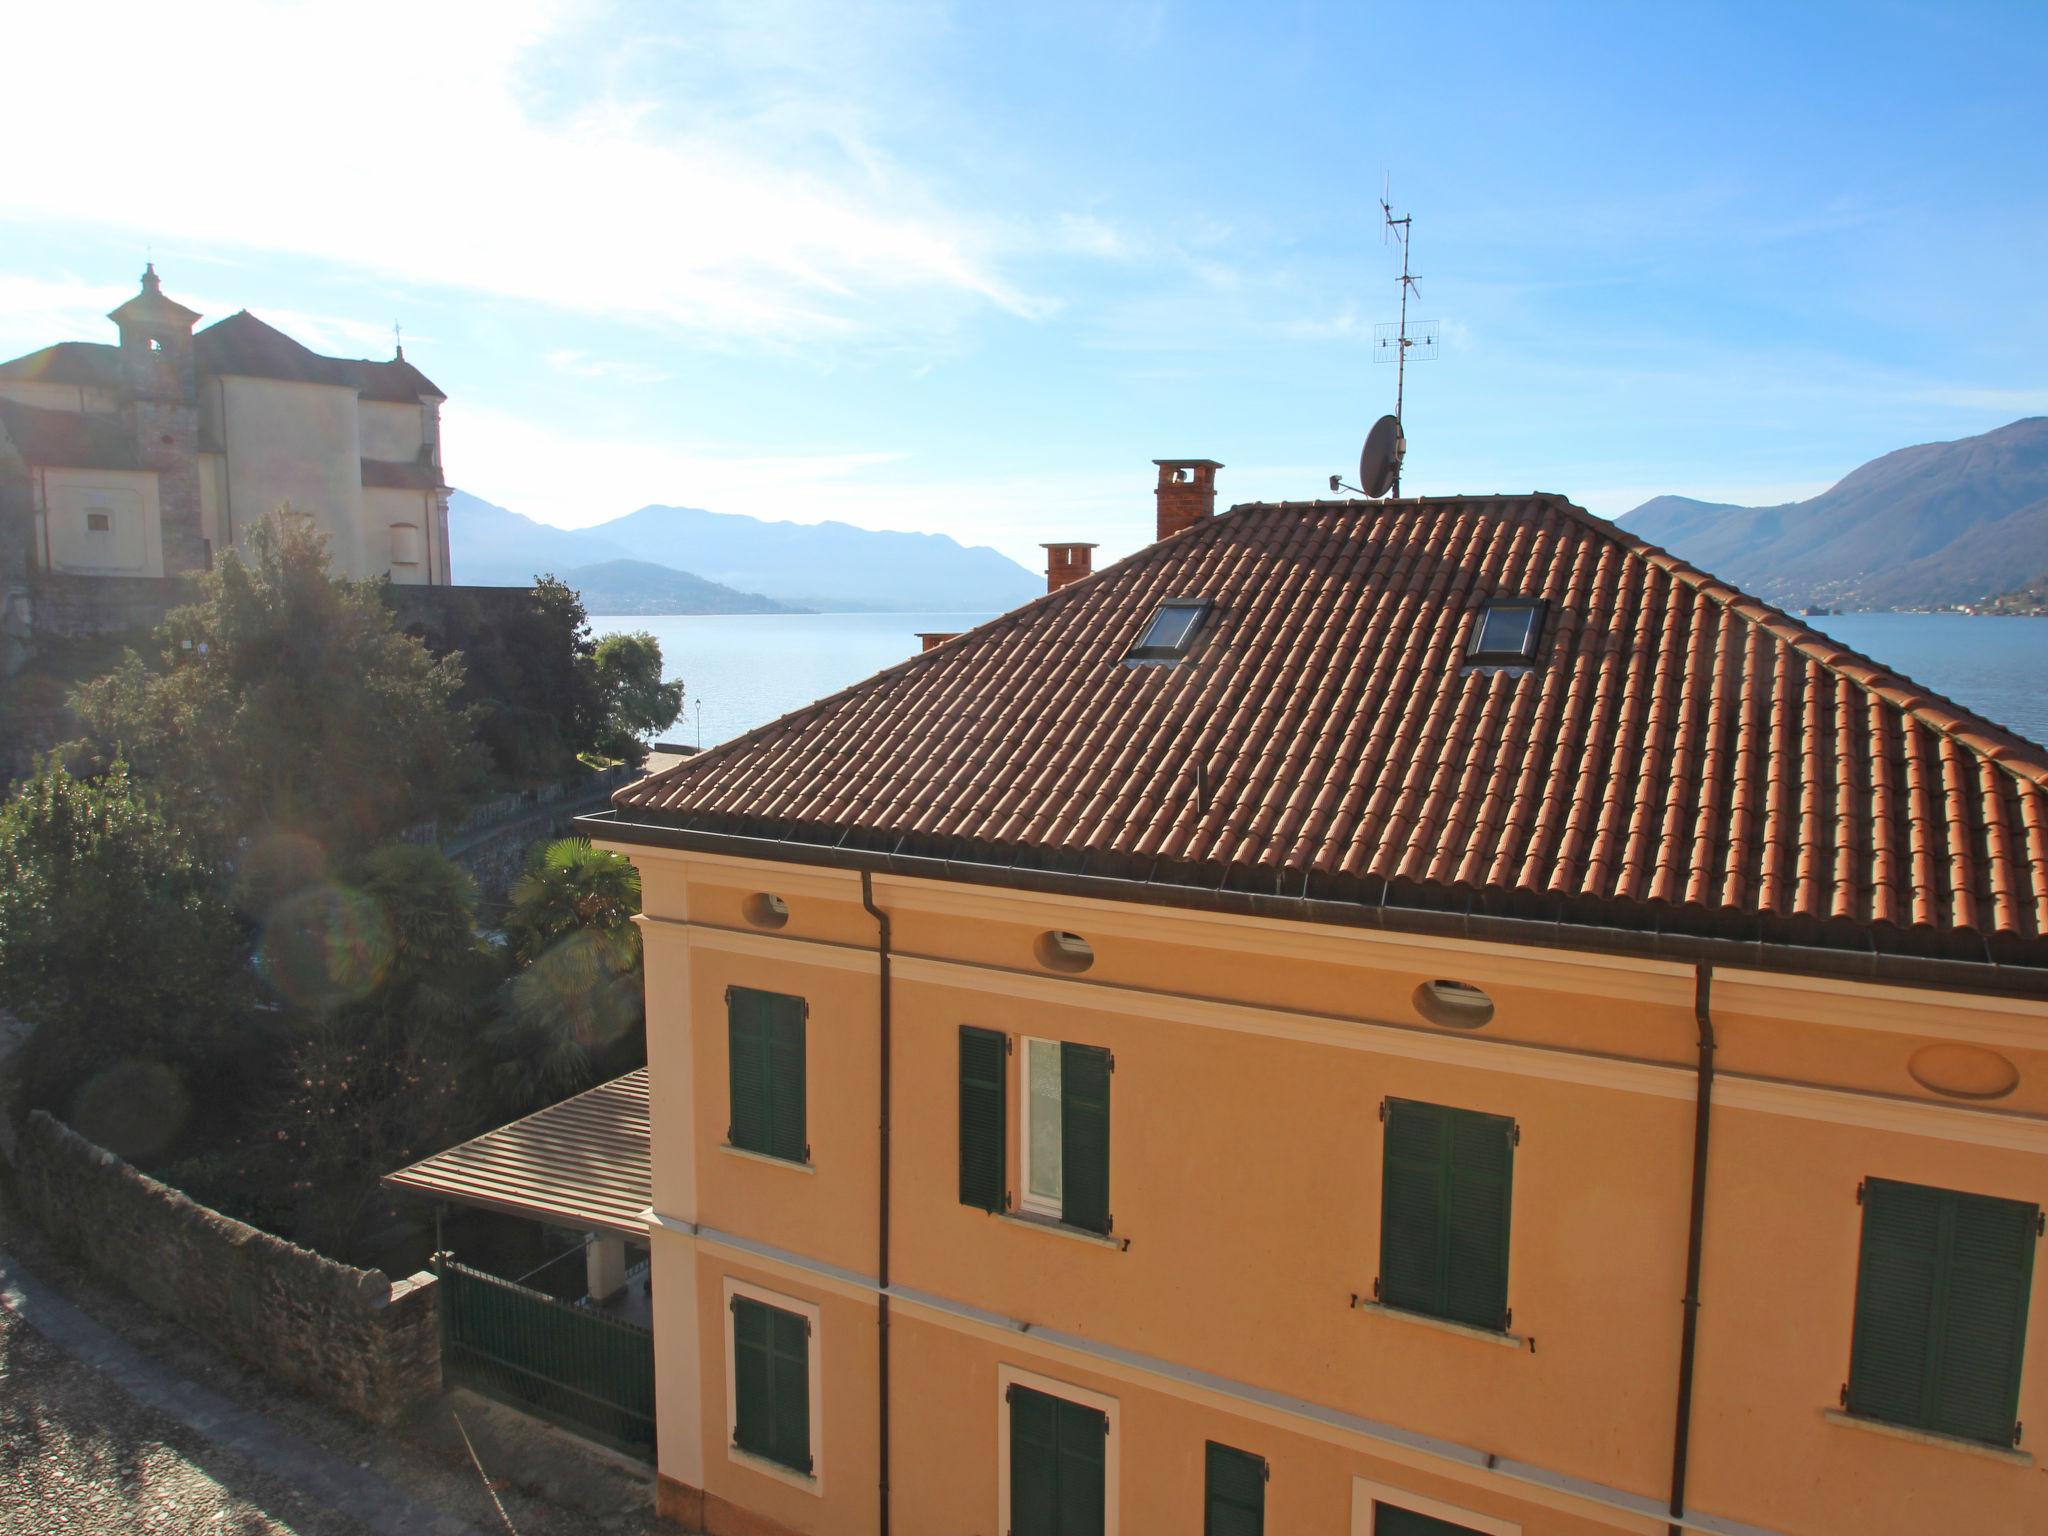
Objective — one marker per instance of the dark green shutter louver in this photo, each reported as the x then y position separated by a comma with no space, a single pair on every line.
765,1045
1058,1456
983,1118
1234,1492
771,1383
1084,1136
1446,1196
1392,1520
1941,1309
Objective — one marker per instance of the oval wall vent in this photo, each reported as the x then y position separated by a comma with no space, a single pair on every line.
1453,1004
1963,1071
764,910
1059,950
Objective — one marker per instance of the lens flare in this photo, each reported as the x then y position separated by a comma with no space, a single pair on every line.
326,945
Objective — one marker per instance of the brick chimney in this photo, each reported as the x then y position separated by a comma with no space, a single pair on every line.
934,638
1187,493
1067,562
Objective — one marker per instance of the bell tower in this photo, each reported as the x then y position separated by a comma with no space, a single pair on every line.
161,403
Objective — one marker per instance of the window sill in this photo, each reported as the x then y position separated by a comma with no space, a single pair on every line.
1445,1324
769,1158
1061,1229
1928,1437
769,1467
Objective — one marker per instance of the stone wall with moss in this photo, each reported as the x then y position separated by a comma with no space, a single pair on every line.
351,1337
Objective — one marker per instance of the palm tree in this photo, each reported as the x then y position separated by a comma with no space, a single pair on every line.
569,887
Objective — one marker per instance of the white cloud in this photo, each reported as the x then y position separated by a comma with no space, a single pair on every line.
581,365
411,141
2021,402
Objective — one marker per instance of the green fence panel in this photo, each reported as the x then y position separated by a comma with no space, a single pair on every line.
574,1367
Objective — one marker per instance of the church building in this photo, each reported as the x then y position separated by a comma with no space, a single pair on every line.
147,458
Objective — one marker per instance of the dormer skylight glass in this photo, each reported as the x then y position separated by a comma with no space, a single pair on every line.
1171,631
1507,633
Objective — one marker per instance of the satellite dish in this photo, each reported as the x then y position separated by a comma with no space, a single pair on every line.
1379,466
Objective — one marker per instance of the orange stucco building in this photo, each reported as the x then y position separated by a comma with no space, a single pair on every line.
1426,1016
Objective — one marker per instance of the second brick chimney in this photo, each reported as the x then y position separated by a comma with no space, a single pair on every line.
1187,493
1067,562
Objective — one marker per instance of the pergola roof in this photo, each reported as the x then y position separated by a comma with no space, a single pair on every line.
582,1163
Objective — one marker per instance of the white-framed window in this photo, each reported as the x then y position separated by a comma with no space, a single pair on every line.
1376,1510
1039,1154
774,1389
1056,1443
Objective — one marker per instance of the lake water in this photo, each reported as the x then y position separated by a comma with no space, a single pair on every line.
742,670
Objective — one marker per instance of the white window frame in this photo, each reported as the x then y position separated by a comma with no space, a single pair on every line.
1008,1376
814,1481
1036,1205
1365,1493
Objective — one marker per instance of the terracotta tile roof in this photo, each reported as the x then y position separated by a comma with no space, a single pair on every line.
401,475
1681,756
89,363
252,348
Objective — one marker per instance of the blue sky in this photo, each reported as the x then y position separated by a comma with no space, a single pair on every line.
968,268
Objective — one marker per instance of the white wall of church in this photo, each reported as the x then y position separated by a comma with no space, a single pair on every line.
390,431
101,522
79,398
298,443
402,535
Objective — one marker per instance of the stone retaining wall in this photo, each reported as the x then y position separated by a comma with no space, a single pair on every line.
348,1336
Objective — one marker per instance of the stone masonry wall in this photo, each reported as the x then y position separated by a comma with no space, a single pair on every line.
348,1336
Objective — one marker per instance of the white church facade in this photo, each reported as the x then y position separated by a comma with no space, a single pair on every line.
149,457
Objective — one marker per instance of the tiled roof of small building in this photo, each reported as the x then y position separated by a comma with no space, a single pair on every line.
68,439
1680,755
89,363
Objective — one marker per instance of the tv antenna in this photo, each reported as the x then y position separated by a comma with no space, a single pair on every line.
1393,343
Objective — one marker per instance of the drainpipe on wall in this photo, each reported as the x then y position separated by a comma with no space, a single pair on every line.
867,899
1702,998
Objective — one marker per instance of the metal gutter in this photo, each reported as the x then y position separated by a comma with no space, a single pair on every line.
1681,1444
1745,954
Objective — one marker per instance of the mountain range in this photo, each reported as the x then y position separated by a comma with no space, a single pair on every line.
1933,526
830,566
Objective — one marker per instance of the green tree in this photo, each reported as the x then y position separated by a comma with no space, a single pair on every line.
285,701
574,1007
113,939
636,701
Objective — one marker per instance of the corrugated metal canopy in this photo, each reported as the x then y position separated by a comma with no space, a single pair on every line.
582,1163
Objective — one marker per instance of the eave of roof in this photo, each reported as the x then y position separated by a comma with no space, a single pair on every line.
92,364
1683,759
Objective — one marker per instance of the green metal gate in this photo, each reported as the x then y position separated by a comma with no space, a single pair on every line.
587,1372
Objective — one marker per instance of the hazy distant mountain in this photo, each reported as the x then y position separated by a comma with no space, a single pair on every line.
829,566
638,586
1925,527
492,547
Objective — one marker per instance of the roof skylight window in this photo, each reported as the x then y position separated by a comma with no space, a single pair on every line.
1172,630
1507,633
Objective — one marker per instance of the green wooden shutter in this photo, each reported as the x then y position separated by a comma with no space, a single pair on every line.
1446,1196
1481,1164
792,1389
788,1135
1392,1520
753,1372
1084,1136
1234,1493
747,1058
983,1117
1084,1442
1412,1206
1941,1309
1034,1463
771,1383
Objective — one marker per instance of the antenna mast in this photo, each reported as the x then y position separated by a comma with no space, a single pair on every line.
1395,340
